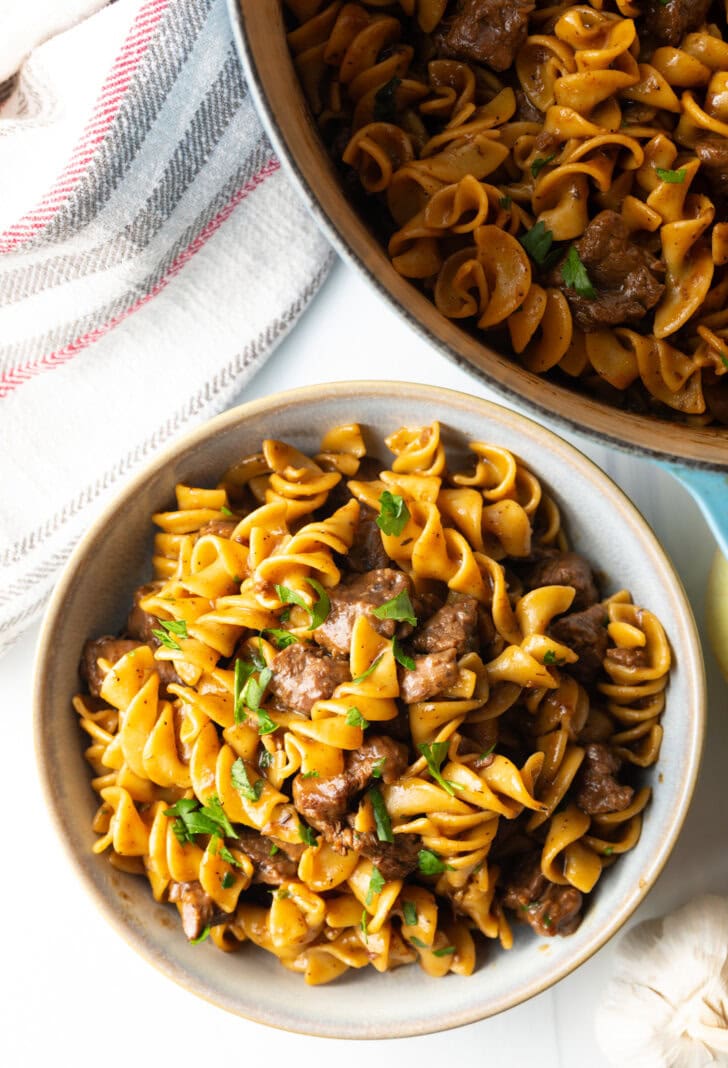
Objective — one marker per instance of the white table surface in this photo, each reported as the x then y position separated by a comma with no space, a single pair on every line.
69,986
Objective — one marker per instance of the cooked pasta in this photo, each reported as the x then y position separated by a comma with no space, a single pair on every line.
552,175
367,715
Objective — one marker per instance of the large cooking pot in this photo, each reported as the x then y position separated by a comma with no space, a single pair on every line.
692,453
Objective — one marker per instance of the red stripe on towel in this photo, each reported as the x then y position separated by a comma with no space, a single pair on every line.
14,377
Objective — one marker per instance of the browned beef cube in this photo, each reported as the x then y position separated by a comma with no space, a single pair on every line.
586,633
432,674
452,626
302,675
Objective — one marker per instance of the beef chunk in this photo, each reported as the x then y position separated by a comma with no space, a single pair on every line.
107,648
621,272
395,860
357,598
564,569
453,626
598,790
487,31
302,675
668,22
629,657
586,633
221,528
140,624
271,870
548,908
432,674
367,552
196,908
324,802
713,156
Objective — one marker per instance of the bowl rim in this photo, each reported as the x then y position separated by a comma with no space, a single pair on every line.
347,252
691,661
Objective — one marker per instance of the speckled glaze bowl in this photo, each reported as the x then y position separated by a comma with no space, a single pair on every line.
114,558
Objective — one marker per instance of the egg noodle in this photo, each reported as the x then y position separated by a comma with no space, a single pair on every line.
571,207
383,808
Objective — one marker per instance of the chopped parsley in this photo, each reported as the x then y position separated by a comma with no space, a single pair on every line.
363,923
487,752
281,638
418,942
243,670
444,952
369,670
227,880
401,657
354,718
189,819
225,510
399,608
608,851
265,760
310,774
381,816
266,725
306,834
169,629
273,849
224,853
430,864
204,934
376,885
537,242
505,202
540,162
378,767
393,515
672,177
247,690
575,275
410,913
242,783
385,101
321,606
724,358
434,755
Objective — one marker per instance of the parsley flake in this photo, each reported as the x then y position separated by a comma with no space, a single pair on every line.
376,885
608,851
393,515
266,725
369,670
505,202
381,816
242,783
204,934
320,609
227,880
378,767
575,275
225,854
313,774
363,923
189,820
724,358
434,755
409,911
418,942
540,162
306,834
168,628
672,177
401,657
281,638
537,242
549,657
430,864
399,608
444,952
273,849
265,760
354,718
487,752
225,510
243,670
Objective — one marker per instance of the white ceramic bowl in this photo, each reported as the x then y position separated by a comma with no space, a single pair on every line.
93,598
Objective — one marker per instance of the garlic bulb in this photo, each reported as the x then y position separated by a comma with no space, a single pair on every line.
667,1004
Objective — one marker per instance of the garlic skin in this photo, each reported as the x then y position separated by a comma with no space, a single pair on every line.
666,1006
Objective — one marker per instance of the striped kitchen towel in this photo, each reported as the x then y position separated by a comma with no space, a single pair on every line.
151,256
